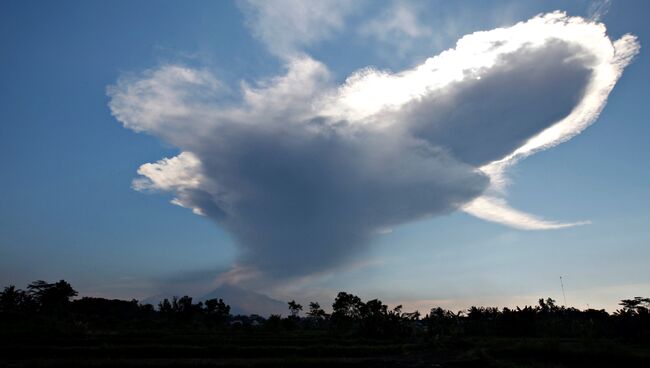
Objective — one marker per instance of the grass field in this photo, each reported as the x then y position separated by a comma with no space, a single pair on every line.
300,348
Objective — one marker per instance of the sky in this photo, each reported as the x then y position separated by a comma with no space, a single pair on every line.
427,153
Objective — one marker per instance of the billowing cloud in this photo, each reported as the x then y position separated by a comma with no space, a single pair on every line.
304,173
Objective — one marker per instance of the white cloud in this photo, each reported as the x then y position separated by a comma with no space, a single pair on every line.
170,174
496,209
608,67
399,26
394,24
303,172
162,100
370,92
287,26
180,174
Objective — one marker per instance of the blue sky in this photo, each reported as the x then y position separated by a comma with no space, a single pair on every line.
68,209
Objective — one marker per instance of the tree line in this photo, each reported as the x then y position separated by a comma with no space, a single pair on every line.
54,307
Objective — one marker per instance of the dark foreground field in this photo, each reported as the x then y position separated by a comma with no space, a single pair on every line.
46,326
300,349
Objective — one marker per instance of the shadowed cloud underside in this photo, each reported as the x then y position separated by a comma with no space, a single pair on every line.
304,172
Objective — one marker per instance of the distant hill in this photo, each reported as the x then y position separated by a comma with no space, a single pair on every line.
244,301
241,301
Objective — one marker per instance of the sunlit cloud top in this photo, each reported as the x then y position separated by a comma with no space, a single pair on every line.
304,172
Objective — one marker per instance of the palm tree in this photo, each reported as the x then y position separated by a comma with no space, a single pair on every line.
294,308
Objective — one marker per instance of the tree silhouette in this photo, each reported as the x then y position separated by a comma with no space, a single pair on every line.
638,305
294,308
217,310
548,305
165,307
182,305
217,307
51,297
346,306
13,300
50,305
315,311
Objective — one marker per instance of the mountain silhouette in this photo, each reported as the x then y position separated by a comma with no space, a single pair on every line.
244,301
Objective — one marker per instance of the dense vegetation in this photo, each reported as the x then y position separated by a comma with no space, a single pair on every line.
46,325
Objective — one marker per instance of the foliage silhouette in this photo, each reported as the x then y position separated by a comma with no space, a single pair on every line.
47,321
294,308
51,297
53,304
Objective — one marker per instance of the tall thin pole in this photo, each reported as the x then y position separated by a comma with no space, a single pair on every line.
563,294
